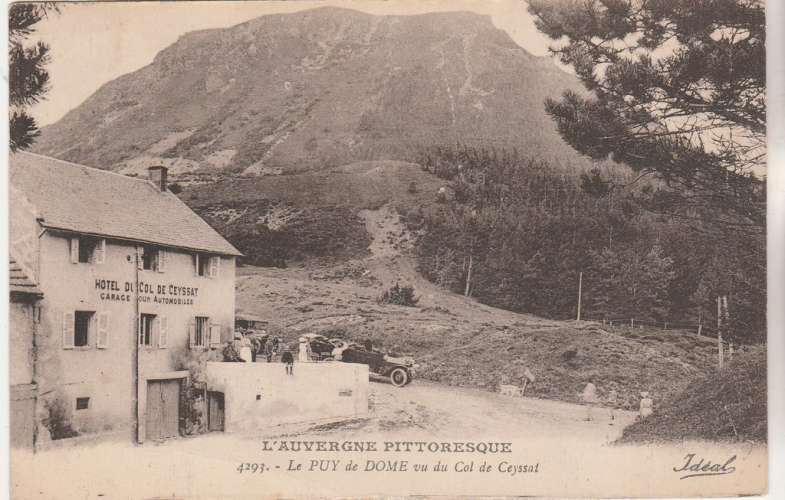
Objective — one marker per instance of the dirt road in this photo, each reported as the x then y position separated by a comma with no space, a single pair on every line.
434,410
552,436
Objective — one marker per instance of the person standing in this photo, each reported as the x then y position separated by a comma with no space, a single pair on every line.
269,348
647,405
303,354
589,397
612,400
256,345
288,361
245,349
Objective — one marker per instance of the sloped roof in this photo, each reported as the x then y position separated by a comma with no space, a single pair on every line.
73,197
19,282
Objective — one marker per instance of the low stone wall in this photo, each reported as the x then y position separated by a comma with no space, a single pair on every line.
260,395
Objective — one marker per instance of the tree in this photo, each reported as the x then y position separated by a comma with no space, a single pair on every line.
676,88
28,79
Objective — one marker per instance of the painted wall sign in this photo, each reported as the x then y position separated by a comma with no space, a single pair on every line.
156,293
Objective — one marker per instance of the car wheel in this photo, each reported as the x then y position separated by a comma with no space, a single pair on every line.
399,377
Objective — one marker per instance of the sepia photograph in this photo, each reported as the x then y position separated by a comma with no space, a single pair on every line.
373,249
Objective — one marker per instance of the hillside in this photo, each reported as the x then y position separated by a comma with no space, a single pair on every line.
287,219
458,341
729,406
318,89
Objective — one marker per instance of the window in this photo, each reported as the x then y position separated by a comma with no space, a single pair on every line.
202,264
146,325
82,403
207,265
150,259
202,329
202,333
82,323
82,327
87,250
87,246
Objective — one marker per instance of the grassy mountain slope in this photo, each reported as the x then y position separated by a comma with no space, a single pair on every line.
460,342
727,406
314,90
285,219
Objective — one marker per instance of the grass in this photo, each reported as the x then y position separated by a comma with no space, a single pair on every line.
317,212
726,406
563,358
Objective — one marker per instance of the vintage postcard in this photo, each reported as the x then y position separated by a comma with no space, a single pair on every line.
360,249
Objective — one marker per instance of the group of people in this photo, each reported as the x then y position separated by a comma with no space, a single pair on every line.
248,345
589,396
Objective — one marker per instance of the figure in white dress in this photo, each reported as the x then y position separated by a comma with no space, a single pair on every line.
589,397
245,349
647,405
304,354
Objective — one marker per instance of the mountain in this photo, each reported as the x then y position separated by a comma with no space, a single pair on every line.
318,89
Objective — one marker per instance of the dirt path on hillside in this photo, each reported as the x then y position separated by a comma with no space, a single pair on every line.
391,261
307,299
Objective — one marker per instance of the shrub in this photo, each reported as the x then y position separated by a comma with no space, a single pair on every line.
194,388
57,420
175,188
400,295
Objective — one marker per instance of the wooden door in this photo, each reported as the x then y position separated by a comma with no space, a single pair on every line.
215,415
163,409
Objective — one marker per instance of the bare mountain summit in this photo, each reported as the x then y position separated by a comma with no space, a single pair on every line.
317,89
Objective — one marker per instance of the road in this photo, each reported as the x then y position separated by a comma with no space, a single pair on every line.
435,410
196,466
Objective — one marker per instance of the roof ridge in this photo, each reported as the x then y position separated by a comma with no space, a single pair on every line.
79,198
79,165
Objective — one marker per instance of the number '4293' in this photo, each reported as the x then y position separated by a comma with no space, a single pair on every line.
252,468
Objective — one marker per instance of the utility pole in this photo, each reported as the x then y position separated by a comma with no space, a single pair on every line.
580,286
719,331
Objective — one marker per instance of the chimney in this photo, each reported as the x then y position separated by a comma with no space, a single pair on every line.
157,175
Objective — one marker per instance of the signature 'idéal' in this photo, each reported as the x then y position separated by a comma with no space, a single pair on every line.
694,467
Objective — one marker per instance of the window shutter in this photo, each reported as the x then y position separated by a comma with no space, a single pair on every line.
102,339
163,332
215,335
68,330
74,242
100,252
192,334
161,260
215,265
196,264
139,258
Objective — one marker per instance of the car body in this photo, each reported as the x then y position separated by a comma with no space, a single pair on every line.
400,370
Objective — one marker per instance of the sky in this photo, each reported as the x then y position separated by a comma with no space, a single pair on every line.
94,43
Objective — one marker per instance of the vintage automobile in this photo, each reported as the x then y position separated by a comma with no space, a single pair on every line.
400,370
